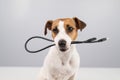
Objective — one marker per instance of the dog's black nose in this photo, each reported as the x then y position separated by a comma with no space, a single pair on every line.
62,43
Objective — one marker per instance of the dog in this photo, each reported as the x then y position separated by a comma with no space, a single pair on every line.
62,61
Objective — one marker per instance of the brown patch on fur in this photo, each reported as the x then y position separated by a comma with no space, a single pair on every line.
48,26
55,24
75,23
71,23
67,21
79,24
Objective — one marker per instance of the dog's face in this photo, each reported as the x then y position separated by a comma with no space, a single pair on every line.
64,31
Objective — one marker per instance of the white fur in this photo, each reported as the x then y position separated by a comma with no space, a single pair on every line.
60,65
62,35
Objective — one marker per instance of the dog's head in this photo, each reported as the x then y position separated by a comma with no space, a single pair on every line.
64,31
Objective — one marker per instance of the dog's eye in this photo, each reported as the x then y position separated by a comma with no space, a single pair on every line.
69,28
55,30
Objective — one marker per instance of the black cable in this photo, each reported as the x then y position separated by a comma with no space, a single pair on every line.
91,40
40,49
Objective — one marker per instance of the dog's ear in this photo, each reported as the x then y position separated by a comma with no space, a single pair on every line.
79,24
48,25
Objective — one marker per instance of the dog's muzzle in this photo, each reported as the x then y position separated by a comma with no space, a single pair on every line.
62,45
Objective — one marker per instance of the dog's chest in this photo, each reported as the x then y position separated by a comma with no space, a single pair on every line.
61,72
62,67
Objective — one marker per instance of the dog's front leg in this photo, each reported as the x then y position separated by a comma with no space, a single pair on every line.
72,77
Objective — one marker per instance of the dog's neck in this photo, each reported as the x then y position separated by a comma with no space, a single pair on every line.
66,56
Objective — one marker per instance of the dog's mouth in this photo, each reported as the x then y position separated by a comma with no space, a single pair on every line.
63,49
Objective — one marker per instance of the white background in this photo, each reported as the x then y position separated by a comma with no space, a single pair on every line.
21,19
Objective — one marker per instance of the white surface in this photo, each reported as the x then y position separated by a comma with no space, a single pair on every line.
29,73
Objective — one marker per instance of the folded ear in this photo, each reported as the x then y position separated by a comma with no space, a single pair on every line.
48,25
79,24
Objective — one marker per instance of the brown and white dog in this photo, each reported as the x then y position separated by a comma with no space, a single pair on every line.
62,61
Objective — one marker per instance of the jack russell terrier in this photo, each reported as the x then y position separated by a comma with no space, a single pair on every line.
62,61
